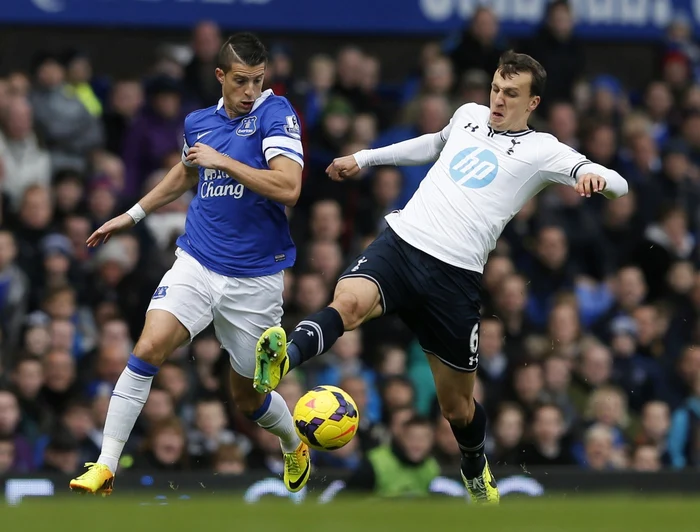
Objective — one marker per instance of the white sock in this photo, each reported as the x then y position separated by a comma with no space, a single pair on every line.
278,420
128,398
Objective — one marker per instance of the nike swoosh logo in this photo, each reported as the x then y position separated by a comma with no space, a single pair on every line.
350,430
200,135
492,481
295,485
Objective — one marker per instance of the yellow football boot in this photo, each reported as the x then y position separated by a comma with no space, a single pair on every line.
271,360
97,479
297,468
483,489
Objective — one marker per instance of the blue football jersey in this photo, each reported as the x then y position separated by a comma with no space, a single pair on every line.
230,229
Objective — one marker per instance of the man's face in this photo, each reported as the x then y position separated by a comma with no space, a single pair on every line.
511,102
242,85
551,247
7,456
563,121
548,426
9,413
417,442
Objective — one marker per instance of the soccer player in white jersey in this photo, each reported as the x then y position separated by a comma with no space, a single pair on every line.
427,265
245,157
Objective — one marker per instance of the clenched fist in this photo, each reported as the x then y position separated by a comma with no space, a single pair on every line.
343,168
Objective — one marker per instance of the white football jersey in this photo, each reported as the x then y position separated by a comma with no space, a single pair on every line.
481,179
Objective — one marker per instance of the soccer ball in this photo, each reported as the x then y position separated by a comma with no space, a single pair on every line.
326,418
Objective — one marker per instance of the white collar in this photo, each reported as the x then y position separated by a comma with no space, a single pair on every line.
264,96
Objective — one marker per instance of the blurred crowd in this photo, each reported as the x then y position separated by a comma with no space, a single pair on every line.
591,317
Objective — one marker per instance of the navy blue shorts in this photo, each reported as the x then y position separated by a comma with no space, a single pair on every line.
439,302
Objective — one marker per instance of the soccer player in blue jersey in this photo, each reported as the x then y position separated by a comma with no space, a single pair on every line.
245,156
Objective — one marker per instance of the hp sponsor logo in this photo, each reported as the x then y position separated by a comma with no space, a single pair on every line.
474,167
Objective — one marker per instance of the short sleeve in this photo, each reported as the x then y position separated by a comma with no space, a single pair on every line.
185,145
282,134
559,163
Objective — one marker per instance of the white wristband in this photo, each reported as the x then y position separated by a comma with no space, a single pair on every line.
137,213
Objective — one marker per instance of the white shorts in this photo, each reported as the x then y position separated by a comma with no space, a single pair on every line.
242,308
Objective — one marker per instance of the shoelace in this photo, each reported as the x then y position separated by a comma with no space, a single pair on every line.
477,485
89,466
293,463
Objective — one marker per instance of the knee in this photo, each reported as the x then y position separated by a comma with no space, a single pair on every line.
348,306
151,350
458,411
248,402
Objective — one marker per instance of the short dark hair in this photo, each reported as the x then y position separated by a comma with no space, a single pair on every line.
547,404
23,359
243,48
557,4
418,421
512,63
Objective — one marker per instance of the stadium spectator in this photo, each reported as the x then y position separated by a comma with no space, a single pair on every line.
125,101
9,429
405,467
655,425
60,381
548,446
27,380
599,449
210,433
559,52
7,455
25,163
229,460
493,362
79,76
594,371
70,132
562,122
165,447
203,86
155,133
61,454
15,290
528,386
508,430
480,45
313,95
645,458
683,441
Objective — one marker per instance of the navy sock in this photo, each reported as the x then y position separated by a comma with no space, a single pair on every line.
471,441
314,335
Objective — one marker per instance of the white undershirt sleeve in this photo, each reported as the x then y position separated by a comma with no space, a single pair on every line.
420,150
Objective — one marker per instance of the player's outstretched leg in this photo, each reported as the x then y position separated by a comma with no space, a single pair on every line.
356,300
162,334
468,422
272,414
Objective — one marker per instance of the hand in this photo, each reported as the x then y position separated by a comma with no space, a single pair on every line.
343,168
205,156
104,233
590,183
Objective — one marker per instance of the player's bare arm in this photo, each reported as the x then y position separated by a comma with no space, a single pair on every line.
175,183
416,151
281,183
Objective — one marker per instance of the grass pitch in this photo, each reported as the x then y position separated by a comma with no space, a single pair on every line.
218,514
